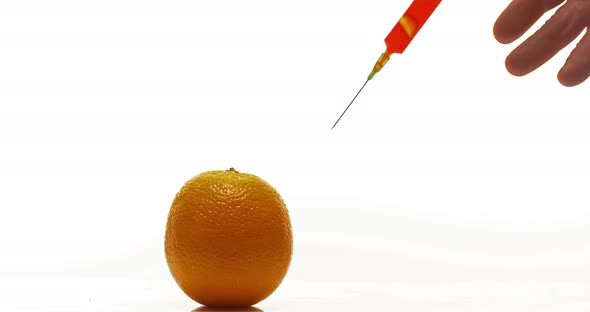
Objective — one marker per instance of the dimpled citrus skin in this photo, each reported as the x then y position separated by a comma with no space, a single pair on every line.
228,240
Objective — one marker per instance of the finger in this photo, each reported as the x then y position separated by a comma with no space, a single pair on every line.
577,66
560,30
519,16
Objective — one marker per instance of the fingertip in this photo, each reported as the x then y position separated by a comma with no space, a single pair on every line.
569,77
576,68
503,38
567,82
514,65
519,16
502,34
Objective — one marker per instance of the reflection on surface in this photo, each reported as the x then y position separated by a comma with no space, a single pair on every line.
207,309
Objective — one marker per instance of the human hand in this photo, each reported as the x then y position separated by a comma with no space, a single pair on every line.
560,30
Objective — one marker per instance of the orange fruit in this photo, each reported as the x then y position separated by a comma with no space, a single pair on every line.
228,239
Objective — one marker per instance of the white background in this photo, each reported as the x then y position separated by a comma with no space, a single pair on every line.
446,181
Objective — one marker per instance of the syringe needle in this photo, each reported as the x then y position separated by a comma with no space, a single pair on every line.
400,36
344,112
383,59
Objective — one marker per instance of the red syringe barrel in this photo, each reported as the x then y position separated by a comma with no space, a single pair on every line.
409,24
405,30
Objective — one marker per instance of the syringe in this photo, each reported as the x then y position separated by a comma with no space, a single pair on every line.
400,36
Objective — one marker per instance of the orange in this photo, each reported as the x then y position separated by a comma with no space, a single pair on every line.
228,239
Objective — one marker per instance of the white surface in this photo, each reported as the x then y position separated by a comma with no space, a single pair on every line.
107,108
155,295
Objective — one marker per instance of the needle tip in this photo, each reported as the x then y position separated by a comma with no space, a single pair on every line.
347,107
